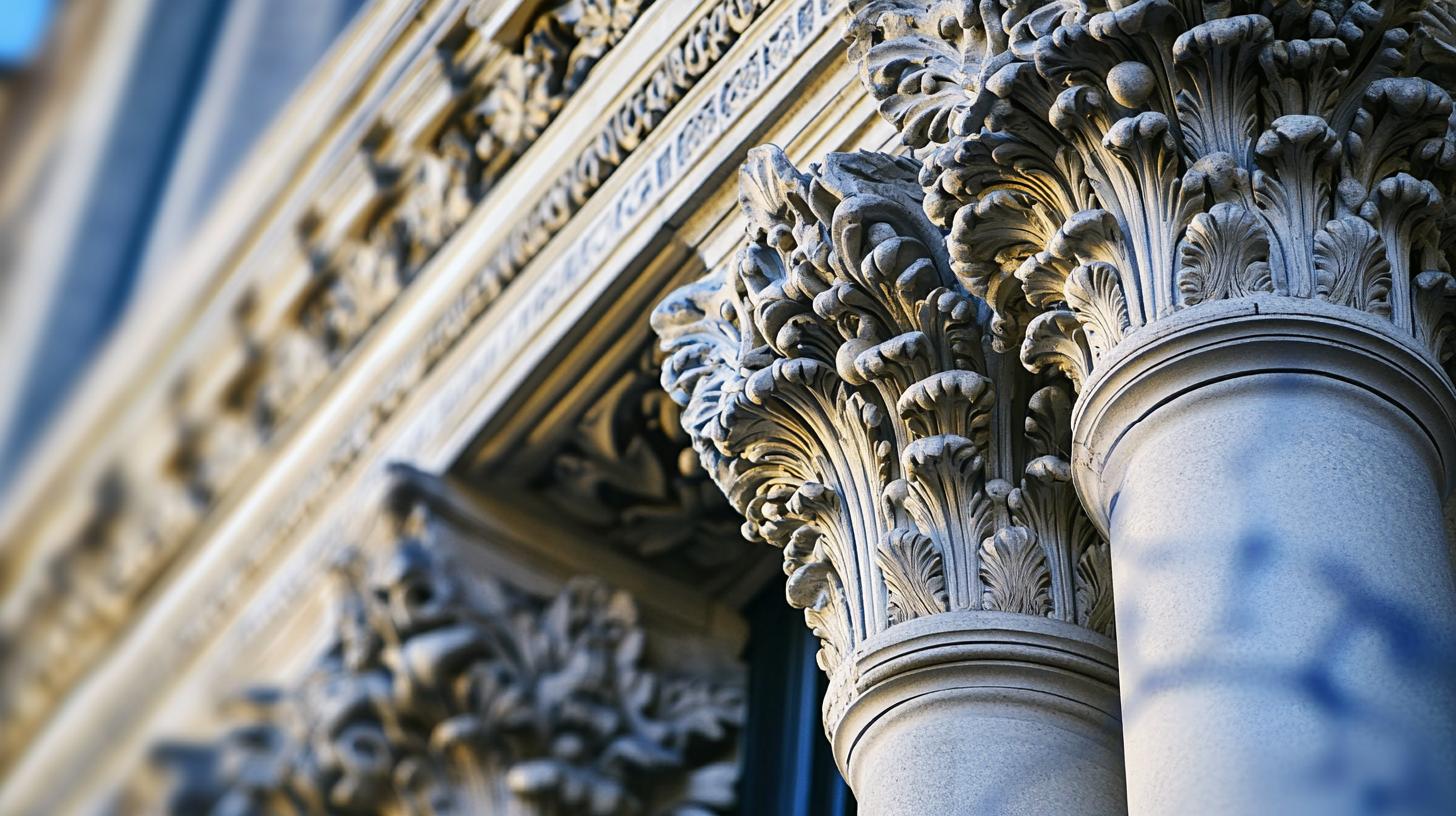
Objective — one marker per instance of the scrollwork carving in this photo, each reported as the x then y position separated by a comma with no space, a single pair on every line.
430,191
445,694
628,474
1091,158
835,383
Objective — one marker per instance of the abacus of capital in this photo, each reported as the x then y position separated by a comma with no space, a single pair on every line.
1192,258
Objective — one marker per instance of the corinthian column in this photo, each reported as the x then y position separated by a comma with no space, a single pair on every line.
1230,225
837,388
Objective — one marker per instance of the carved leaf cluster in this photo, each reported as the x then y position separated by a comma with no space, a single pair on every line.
443,695
629,475
484,108
835,384
430,191
1100,165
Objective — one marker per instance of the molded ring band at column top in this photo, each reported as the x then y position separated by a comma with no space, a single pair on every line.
1266,334
1006,658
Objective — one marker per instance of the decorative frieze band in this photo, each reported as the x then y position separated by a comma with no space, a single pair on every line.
678,71
499,105
446,694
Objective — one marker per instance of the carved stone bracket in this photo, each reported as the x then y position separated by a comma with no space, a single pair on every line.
451,694
629,474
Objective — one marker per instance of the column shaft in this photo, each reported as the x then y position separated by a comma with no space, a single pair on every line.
1284,589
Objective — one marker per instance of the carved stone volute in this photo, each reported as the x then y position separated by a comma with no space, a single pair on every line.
835,383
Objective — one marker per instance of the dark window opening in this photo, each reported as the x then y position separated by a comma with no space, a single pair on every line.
788,768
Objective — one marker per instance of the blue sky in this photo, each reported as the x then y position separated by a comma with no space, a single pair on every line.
22,26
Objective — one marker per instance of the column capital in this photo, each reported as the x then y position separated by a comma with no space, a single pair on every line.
1102,166
837,388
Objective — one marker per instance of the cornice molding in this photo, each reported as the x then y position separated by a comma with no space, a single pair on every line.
424,187
386,405
447,693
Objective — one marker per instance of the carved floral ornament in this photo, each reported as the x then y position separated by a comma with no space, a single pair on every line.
430,189
1100,165
422,193
452,695
628,474
837,388
1078,171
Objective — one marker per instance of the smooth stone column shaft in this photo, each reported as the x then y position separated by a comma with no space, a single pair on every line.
982,713
1284,599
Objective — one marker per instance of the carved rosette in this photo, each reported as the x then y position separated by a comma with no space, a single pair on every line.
1101,165
835,384
448,695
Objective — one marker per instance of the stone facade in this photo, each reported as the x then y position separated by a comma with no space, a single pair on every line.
1089,364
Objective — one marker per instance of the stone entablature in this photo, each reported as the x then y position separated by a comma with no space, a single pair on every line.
454,121
418,385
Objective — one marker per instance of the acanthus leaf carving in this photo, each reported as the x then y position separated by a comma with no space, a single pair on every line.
1094,588
914,575
1230,149
1057,341
837,385
1014,570
1351,267
1225,254
444,694
1094,296
918,60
